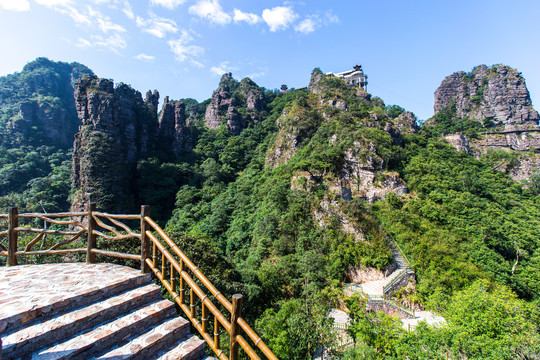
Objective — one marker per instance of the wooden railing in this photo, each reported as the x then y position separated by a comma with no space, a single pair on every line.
209,311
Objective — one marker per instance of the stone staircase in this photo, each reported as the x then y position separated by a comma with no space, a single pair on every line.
376,287
98,311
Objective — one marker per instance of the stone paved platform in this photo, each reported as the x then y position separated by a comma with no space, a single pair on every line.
80,312
27,291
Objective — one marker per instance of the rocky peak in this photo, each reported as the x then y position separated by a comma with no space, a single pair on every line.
117,130
497,97
152,98
174,131
497,94
38,106
228,100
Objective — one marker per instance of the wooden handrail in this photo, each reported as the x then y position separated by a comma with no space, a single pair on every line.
178,274
228,326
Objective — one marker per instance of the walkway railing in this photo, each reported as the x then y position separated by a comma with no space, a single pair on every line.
392,303
209,311
383,299
405,272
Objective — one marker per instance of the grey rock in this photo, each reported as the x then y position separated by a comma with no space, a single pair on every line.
116,132
229,98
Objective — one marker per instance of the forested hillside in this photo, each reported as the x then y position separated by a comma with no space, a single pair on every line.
283,195
38,122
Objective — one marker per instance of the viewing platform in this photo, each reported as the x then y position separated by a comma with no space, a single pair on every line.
59,307
89,311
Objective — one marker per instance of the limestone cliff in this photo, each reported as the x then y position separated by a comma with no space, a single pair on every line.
235,104
357,132
117,130
174,128
497,94
498,99
37,106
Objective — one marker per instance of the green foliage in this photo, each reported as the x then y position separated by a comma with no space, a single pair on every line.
484,321
447,122
34,162
394,111
466,222
39,175
296,330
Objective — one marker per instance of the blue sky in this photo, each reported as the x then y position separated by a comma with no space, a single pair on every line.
180,47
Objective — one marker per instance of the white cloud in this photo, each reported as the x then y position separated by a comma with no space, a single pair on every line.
331,17
183,51
247,17
83,43
128,11
196,63
114,43
306,26
223,68
279,18
146,58
103,22
256,75
211,10
169,4
75,15
53,3
157,26
15,5
313,22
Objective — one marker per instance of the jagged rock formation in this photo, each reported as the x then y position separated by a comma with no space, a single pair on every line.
117,130
37,105
174,128
499,100
236,104
362,170
152,98
498,94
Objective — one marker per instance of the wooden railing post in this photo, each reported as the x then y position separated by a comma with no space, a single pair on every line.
145,241
13,222
90,256
235,314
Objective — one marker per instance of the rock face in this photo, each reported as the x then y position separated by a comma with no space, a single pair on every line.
174,130
498,94
361,171
153,99
459,141
499,100
37,105
117,130
235,104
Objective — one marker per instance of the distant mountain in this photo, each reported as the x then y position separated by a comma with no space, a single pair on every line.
37,106
38,123
488,113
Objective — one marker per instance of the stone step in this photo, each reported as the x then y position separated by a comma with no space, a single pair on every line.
190,348
104,336
47,332
75,283
151,342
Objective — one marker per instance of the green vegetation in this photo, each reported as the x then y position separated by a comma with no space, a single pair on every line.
35,157
269,212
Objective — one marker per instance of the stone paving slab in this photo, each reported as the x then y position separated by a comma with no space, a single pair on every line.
159,337
49,331
189,349
429,317
105,335
30,291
